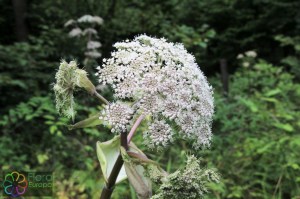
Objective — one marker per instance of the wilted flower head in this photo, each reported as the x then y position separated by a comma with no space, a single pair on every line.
189,183
165,82
68,77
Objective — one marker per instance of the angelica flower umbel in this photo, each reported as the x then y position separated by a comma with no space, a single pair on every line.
165,82
90,33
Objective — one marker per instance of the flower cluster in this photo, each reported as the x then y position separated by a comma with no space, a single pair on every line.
190,182
247,58
118,115
90,19
165,82
90,33
158,135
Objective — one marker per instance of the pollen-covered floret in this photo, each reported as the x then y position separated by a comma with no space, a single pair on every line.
163,80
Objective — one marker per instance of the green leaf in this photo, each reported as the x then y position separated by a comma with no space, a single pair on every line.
53,129
295,142
295,166
273,92
270,99
286,127
265,148
211,33
203,44
108,153
42,158
136,176
49,117
141,158
249,104
89,122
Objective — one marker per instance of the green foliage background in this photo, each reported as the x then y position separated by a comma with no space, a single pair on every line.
256,146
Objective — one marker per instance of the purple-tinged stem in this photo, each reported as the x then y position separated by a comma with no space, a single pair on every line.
108,189
134,127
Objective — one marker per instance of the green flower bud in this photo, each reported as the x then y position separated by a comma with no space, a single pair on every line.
189,183
84,82
68,77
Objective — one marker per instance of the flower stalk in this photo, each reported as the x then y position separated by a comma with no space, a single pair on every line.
134,127
102,99
108,189
125,140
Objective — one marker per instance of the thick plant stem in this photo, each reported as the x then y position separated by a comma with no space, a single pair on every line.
108,189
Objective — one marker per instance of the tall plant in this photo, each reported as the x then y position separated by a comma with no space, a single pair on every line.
84,29
156,83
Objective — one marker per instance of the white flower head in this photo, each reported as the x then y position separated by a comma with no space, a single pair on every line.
159,134
75,32
246,64
98,20
88,31
240,56
251,53
70,22
164,81
118,115
90,19
93,45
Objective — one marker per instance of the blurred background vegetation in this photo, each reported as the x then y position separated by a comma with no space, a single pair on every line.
256,146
